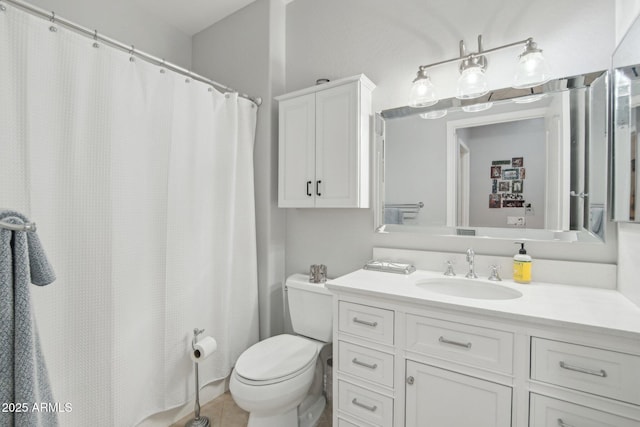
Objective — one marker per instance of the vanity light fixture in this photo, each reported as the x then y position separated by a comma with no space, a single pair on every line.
472,82
423,93
532,71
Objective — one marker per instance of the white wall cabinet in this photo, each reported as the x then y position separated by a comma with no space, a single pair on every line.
324,145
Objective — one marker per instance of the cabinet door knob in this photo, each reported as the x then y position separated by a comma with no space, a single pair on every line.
308,190
410,380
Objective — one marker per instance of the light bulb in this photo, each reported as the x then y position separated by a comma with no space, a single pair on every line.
422,92
472,83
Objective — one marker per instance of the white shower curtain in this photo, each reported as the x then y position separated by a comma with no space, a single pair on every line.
141,184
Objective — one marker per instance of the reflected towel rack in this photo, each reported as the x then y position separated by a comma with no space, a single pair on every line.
29,226
418,205
409,210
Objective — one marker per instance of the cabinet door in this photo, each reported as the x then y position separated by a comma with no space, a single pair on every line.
337,147
437,397
296,169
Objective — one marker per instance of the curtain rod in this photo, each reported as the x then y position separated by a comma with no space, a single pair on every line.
51,16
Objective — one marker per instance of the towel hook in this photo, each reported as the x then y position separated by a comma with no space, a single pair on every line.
53,27
132,52
162,69
188,80
3,7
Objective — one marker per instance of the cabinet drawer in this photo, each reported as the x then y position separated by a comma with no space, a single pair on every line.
368,405
366,363
548,412
592,370
345,423
471,345
372,323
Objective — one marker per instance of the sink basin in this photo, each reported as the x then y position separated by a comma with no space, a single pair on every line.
468,288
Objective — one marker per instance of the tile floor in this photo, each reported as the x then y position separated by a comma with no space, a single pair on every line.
223,412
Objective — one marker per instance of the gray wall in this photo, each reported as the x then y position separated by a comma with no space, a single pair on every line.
336,38
503,141
416,167
246,51
128,23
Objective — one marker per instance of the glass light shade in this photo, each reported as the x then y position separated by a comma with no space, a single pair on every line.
475,108
432,115
472,83
529,99
422,93
533,70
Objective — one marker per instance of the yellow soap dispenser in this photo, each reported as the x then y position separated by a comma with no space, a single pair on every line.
521,265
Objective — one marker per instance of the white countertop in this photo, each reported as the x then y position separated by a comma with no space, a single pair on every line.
602,310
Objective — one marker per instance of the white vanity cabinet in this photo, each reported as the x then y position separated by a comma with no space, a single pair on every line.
324,145
403,361
397,367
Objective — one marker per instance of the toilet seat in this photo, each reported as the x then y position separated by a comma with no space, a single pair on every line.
276,359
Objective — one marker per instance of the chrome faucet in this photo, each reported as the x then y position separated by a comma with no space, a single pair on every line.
470,259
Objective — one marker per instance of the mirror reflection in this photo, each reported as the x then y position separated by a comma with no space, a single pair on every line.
520,163
626,98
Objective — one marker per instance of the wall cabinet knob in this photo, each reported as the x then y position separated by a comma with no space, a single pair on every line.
410,380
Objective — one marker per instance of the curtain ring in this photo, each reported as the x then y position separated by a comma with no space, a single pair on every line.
132,52
53,27
162,69
95,39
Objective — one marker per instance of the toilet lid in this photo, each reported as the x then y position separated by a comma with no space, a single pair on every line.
276,357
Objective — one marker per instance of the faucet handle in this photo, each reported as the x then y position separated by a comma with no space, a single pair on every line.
495,275
449,271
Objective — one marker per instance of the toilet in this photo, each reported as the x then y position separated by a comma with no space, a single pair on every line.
279,381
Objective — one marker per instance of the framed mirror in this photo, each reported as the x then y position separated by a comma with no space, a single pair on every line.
517,164
626,123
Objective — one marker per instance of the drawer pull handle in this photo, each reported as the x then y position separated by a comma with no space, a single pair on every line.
459,344
362,405
366,365
601,373
563,424
364,322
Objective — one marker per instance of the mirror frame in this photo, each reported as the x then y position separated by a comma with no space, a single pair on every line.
503,95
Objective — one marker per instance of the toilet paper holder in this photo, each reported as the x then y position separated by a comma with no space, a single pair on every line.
198,421
194,340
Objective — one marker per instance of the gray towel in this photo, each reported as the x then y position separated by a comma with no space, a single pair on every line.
393,216
597,220
24,380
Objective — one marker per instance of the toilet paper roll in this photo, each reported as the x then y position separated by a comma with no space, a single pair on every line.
203,349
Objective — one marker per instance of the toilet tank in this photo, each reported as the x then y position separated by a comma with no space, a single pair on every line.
310,307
